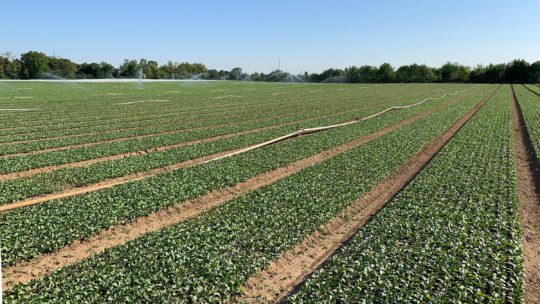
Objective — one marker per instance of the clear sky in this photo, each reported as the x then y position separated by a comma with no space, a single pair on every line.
306,35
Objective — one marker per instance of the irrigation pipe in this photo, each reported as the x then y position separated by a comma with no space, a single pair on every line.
324,128
18,110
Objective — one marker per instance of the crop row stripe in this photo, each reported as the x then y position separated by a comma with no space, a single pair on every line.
90,144
137,176
209,118
122,233
528,188
171,110
142,128
287,271
223,108
141,175
128,178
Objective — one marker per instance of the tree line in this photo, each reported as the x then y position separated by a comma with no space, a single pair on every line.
37,65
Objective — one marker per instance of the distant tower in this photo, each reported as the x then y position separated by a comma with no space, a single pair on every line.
279,65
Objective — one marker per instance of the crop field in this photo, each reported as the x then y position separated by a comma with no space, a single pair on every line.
191,192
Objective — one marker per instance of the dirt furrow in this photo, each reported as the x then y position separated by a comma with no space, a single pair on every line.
528,192
121,234
286,272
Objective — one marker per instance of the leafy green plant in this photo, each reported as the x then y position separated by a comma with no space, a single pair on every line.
452,235
208,258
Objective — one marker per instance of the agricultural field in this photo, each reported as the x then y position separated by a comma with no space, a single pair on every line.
177,192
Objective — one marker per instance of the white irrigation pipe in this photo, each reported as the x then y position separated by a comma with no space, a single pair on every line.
324,128
133,102
18,110
227,96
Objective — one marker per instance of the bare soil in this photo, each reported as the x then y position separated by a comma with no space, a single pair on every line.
286,272
528,192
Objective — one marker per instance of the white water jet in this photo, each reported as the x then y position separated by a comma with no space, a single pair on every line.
291,78
335,79
51,76
140,76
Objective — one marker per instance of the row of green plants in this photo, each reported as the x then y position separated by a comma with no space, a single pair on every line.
33,230
85,107
207,259
180,122
451,235
230,107
45,183
22,163
61,109
127,120
105,149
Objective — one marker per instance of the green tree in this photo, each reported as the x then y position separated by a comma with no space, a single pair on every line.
129,69
88,70
62,67
3,64
11,66
517,71
235,73
106,70
415,73
534,71
34,65
385,73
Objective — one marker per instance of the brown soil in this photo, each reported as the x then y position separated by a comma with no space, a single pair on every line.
531,90
27,173
279,279
120,234
528,192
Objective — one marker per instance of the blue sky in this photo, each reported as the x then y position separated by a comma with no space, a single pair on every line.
306,35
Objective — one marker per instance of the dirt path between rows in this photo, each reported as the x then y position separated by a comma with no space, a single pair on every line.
531,90
286,272
84,163
183,211
528,192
